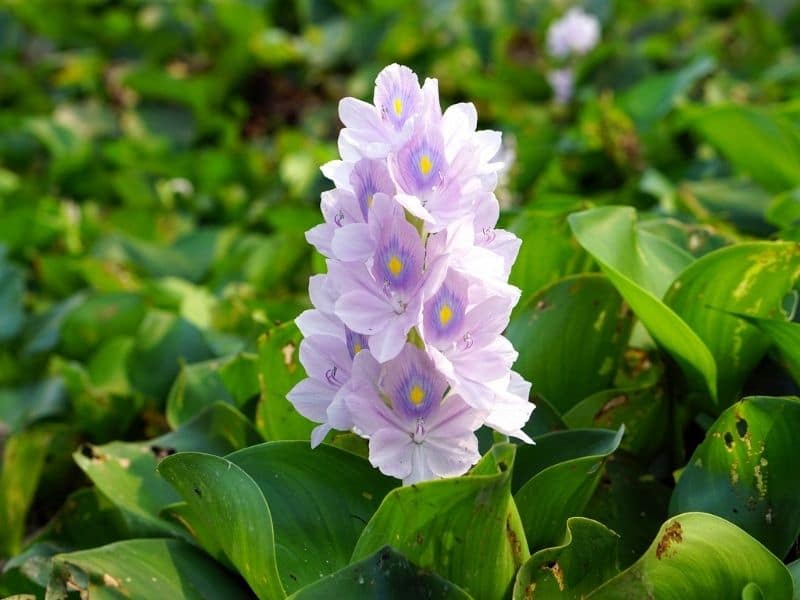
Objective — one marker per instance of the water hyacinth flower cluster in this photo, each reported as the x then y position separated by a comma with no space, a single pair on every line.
404,344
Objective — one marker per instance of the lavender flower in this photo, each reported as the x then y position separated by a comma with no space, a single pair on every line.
563,83
576,32
405,343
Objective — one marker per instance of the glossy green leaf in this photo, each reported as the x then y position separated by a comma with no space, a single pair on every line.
771,155
630,501
585,558
284,514
642,266
784,209
751,278
125,471
697,555
794,569
555,478
153,568
643,411
548,251
745,472
550,334
697,240
385,574
279,371
786,337
234,516
451,526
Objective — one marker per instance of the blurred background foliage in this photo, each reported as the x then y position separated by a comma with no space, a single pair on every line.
159,163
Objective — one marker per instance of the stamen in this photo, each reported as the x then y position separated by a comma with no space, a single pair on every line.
330,376
468,341
419,432
339,218
490,234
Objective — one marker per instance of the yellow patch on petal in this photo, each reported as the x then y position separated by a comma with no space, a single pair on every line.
425,164
445,314
370,198
416,395
395,265
398,106
357,348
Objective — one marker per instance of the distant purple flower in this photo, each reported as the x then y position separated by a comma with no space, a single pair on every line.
577,32
405,343
563,82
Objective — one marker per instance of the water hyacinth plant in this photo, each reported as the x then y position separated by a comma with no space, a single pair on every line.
160,183
405,342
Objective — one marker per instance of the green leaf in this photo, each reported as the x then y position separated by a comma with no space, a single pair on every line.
451,526
642,410
279,371
740,202
585,558
100,413
653,97
100,318
25,458
696,555
12,295
43,331
162,342
555,478
555,352
786,337
125,472
232,509
794,569
751,278
385,574
771,155
548,250
641,267
232,379
630,501
153,568
697,240
784,209
745,471
24,405
284,514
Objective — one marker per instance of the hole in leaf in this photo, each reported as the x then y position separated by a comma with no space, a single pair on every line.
741,427
198,492
162,452
728,440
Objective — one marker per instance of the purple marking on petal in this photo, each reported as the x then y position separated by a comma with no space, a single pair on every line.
370,177
399,257
397,95
356,342
421,164
413,385
444,313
